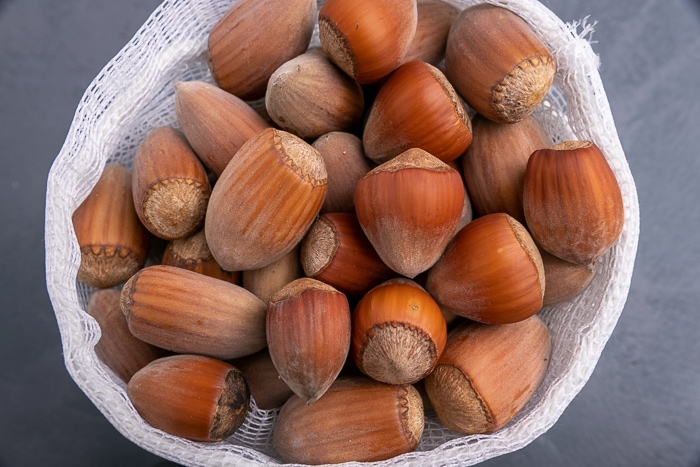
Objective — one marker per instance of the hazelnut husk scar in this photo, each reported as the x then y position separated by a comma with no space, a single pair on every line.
112,240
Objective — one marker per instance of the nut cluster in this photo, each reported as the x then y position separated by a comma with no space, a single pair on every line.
392,218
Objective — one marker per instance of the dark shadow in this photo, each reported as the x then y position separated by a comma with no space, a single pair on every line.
694,6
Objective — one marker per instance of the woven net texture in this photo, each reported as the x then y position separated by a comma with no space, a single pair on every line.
134,94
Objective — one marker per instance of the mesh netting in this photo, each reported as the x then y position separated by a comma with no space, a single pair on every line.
134,93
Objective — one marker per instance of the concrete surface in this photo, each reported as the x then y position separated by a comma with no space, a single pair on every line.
641,406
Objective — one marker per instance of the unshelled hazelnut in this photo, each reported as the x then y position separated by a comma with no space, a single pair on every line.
265,200
491,272
308,335
409,208
398,332
497,63
170,186
191,396
488,373
112,240
572,201
255,37
358,419
367,39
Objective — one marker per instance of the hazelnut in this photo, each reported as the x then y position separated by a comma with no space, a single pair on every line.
358,420
398,332
367,39
409,208
193,253
215,123
187,312
491,272
416,107
309,96
488,373
494,164
336,251
255,37
308,336
117,348
345,163
267,388
265,200
497,63
170,186
572,201
434,20
267,280
192,396
112,240
564,280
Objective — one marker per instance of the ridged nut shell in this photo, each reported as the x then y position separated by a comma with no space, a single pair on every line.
267,280
564,280
367,39
494,164
170,186
497,63
191,396
409,208
309,96
336,251
267,389
187,312
345,163
356,420
112,240
416,107
434,20
488,373
254,38
398,332
265,200
491,272
215,122
308,336
117,348
572,201
192,253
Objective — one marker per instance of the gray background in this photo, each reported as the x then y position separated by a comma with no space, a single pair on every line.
641,406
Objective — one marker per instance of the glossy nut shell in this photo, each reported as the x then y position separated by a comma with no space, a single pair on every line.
255,37
367,39
170,186
191,396
187,312
398,332
265,200
491,272
409,208
416,108
572,201
112,240
308,336
488,373
497,63
358,419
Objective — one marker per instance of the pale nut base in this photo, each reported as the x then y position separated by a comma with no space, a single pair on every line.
519,92
175,208
397,353
456,402
106,266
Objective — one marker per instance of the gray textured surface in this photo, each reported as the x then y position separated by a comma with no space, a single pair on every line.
641,406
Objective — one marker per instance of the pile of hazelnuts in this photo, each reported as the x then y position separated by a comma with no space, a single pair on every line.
369,243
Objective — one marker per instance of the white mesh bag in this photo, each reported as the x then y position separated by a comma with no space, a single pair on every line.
134,93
